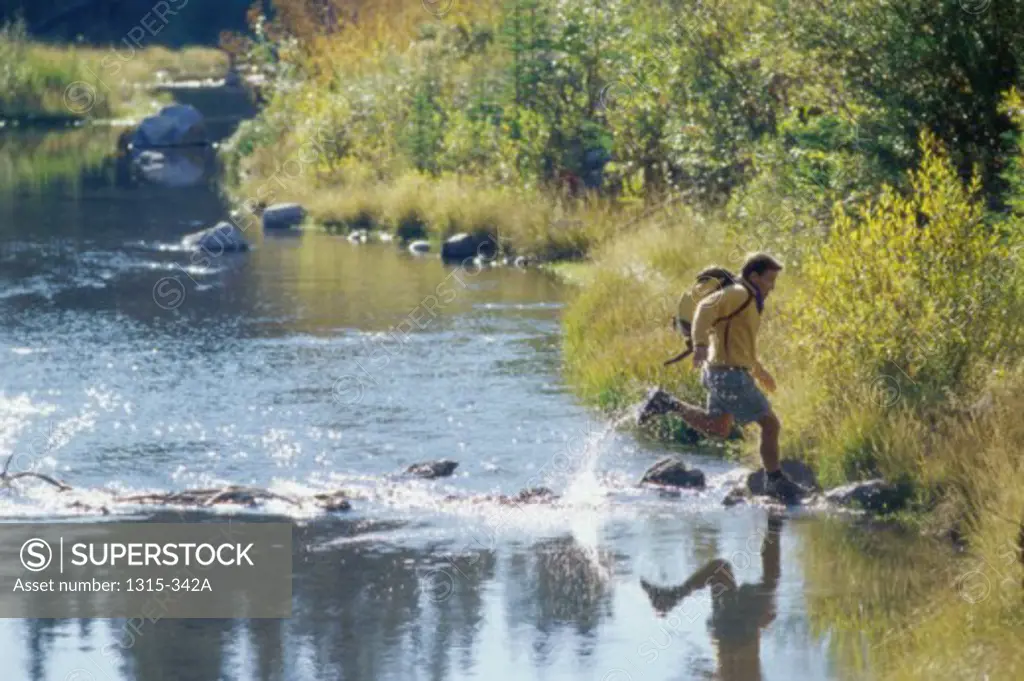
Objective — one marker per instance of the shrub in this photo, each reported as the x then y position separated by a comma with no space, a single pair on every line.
910,291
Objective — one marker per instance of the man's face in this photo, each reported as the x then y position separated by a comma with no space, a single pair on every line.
765,281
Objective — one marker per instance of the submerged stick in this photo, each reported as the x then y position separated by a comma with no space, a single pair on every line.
6,478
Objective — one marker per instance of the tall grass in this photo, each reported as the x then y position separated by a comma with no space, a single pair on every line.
41,81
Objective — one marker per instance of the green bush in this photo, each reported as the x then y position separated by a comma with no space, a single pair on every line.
911,291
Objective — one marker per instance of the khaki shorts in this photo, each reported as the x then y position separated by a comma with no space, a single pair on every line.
733,391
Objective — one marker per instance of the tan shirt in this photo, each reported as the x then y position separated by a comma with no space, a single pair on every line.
742,329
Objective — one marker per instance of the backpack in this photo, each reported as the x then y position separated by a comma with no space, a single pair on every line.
708,281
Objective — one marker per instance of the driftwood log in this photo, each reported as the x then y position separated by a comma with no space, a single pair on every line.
240,495
337,500
6,477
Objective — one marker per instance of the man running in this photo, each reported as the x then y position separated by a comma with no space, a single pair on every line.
729,368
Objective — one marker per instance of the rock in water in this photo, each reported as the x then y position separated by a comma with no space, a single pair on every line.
672,472
533,495
798,471
175,126
876,496
283,216
419,247
467,246
441,468
169,168
333,501
224,237
737,495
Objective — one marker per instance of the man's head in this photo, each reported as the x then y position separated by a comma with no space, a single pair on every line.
761,270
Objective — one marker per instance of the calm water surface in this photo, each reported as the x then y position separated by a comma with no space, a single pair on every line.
312,363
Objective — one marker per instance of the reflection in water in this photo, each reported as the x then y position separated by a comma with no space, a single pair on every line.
63,160
868,586
739,612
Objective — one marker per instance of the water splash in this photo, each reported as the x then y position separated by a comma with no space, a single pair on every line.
585,487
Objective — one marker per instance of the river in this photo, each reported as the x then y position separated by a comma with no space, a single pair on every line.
313,363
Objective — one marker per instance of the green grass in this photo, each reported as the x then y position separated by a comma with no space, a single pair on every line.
52,84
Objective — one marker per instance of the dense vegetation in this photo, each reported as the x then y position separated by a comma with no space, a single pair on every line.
874,146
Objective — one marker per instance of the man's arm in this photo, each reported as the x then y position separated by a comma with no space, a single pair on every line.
703,318
765,378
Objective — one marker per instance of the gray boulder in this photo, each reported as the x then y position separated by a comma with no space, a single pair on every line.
283,216
799,472
223,237
671,472
463,246
876,496
419,247
531,495
177,125
737,495
441,468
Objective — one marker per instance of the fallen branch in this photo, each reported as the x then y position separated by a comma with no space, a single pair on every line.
7,478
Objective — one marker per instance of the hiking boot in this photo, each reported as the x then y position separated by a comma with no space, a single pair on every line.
656,403
784,489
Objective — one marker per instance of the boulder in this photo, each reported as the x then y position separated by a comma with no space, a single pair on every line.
283,216
360,236
672,472
531,495
223,237
178,125
876,496
333,501
419,247
737,495
799,472
441,468
467,246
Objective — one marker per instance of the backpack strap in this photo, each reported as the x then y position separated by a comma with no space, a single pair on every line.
729,317
683,327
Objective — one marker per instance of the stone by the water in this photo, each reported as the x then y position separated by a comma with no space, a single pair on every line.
469,246
672,472
174,126
798,471
433,469
224,237
533,495
876,496
283,216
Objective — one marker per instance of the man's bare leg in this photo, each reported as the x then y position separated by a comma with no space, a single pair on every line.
699,419
770,429
660,402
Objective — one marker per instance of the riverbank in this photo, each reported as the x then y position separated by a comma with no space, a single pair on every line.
458,121
895,333
46,85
